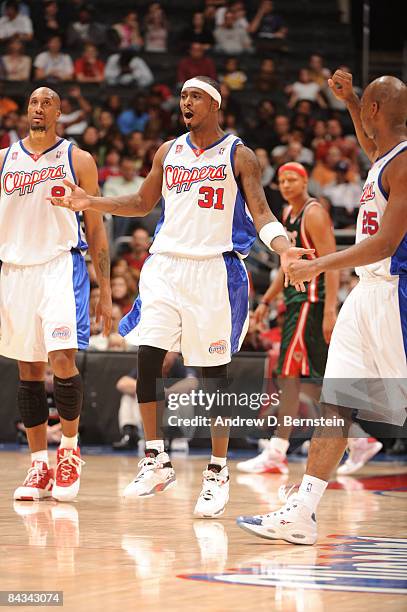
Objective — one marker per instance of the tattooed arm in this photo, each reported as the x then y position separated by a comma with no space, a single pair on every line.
247,168
87,177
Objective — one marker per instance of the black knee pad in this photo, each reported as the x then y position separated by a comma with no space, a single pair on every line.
68,394
32,402
149,374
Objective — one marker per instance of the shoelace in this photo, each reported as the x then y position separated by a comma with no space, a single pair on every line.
147,464
34,475
67,463
211,478
293,501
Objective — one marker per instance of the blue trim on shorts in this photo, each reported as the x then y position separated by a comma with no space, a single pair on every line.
402,290
238,289
131,319
81,287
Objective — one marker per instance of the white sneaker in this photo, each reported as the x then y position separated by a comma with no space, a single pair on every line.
293,523
156,474
214,495
360,452
269,461
68,474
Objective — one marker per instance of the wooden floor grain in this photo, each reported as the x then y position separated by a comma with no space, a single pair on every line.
108,554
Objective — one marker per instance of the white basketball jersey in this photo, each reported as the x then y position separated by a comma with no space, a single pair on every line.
32,231
204,212
372,206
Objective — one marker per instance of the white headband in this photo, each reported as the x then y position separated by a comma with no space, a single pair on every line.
206,87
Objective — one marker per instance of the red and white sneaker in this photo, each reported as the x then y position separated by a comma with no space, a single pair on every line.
361,450
67,479
38,483
269,461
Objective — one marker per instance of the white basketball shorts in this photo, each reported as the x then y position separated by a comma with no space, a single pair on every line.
368,348
44,308
198,307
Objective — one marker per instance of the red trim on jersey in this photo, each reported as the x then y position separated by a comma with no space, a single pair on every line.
291,366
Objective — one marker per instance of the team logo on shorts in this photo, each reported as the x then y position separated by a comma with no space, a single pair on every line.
218,348
62,333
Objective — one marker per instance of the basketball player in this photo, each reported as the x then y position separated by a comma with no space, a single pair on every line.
310,316
369,340
44,288
193,288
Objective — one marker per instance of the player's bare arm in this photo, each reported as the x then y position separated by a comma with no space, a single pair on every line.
393,228
134,205
86,172
342,88
272,292
248,170
318,226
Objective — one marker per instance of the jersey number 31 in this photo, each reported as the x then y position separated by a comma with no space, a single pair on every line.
211,197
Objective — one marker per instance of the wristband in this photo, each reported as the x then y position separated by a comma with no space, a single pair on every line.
270,231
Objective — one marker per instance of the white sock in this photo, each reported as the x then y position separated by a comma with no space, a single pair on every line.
311,490
69,442
280,445
40,456
218,461
157,445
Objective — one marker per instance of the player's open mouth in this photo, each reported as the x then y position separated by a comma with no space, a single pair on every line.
188,115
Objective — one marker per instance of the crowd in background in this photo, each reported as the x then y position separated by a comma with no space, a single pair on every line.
287,119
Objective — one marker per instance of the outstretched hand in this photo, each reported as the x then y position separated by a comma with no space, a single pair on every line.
287,258
76,201
302,271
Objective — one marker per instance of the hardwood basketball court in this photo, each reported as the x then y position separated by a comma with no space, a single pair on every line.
108,554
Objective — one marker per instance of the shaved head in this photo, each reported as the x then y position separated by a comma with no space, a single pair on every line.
390,95
48,93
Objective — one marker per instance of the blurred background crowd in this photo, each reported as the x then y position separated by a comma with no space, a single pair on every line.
118,68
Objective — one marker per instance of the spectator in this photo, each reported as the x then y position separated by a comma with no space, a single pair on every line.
234,78
269,28
281,130
127,183
89,68
73,117
261,128
121,294
335,137
23,8
108,130
90,142
14,24
120,267
253,340
293,151
134,119
136,147
324,170
129,413
231,39
85,29
266,80
126,69
344,195
111,166
49,22
317,72
267,170
52,65
319,134
116,342
113,104
200,32
239,12
155,29
17,65
9,125
197,63
128,31
140,243
305,89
